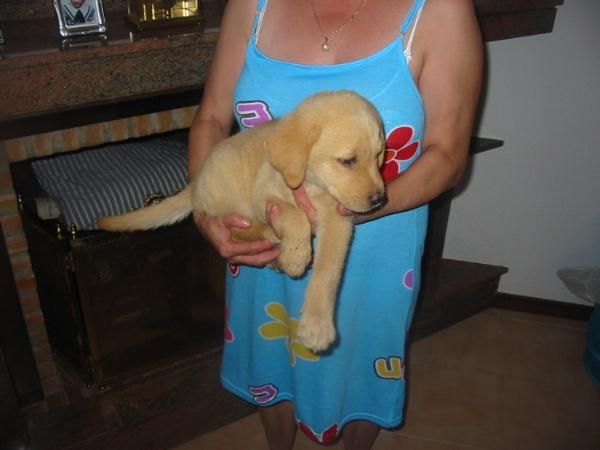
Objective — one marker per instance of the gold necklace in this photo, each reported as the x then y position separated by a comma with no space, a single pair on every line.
326,38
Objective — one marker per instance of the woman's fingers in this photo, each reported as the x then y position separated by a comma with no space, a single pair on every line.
260,258
235,220
303,202
217,230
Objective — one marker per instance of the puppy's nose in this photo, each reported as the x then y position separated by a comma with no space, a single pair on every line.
378,199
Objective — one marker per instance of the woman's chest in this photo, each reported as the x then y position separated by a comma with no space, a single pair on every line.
296,30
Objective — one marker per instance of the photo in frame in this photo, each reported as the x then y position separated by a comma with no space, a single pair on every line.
79,17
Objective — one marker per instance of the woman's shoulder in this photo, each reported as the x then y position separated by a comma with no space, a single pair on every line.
239,14
449,7
441,13
442,19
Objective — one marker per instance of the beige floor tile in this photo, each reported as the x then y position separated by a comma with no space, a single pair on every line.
245,434
512,369
394,441
537,318
496,342
452,405
548,415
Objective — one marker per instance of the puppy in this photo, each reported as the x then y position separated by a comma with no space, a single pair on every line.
333,144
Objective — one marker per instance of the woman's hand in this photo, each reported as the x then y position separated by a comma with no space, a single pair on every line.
217,230
356,217
304,203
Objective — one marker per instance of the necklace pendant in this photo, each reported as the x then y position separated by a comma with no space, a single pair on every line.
325,45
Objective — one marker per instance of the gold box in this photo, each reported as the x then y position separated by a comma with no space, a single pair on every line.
148,14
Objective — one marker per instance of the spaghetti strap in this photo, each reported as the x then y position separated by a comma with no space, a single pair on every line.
260,13
414,14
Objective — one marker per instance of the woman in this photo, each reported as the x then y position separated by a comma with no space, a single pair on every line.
420,65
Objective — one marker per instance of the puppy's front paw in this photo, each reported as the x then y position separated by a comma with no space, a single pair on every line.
294,258
316,331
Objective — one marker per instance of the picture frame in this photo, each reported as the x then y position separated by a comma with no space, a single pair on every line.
80,17
87,41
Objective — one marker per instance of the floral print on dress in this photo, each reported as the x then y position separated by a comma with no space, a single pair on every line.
234,269
400,148
409,279
326,437
286,328
229,336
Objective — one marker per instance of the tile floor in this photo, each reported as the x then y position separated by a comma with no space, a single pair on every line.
500,380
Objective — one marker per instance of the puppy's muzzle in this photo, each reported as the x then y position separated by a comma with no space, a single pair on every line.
377,200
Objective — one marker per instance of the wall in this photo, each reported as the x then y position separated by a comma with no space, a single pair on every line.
533,205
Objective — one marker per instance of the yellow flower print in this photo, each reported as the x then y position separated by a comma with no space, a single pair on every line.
285,327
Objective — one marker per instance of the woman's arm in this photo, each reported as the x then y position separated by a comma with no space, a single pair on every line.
448,73
214,116
212,123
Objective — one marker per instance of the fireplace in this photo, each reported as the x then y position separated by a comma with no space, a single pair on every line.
158,83
43,145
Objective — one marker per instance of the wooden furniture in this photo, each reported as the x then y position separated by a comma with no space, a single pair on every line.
117,305
506,19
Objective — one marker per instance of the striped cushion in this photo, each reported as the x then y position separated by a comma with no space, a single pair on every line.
112,179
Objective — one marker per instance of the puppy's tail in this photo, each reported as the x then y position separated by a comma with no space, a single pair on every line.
169,211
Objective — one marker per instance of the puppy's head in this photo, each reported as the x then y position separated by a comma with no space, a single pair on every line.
334,140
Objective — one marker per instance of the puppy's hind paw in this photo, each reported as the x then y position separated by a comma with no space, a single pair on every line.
294,260
317,334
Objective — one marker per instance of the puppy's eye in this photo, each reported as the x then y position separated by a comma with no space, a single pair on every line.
348,162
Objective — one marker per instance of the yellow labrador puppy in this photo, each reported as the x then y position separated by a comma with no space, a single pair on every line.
333,144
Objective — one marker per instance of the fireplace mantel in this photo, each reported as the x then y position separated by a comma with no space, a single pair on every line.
44,81
45,88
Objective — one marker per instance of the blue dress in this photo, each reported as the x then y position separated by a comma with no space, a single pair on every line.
362,376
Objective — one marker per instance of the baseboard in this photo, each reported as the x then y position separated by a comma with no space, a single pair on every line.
542,306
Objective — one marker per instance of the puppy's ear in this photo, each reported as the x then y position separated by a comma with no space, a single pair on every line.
288,147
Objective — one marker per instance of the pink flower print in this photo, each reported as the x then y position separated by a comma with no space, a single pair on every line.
399,149
409,279
229,336
327,437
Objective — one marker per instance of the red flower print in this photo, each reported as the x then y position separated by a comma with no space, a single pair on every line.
399,148
234,269
327,437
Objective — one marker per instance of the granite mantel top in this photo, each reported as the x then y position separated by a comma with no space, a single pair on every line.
40,75
47,75
47,82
